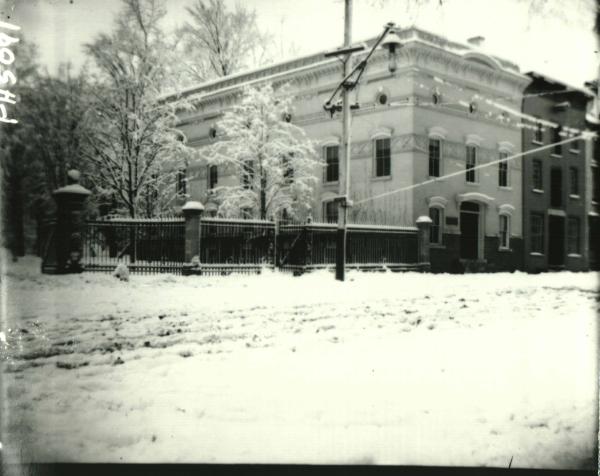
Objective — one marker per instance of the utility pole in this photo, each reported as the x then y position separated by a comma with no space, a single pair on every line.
390,41
340,261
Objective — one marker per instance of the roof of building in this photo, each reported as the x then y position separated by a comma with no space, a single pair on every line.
560,85
411,34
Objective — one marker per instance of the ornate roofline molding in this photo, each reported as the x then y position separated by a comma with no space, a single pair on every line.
315,64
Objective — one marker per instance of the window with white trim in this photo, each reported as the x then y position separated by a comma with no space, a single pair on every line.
539,133
332,163
573,236
435,231
213,176
471,163
573,181
503,172
537,232
382,157
556,137
504,231
435,148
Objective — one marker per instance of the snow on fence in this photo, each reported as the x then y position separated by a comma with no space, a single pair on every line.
236,246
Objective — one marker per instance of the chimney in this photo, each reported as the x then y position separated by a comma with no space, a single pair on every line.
476,40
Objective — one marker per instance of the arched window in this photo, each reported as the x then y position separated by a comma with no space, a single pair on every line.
435,232
504,230
382,153
471,163
436,141
213,176
435,156
331,155
503,170
437,206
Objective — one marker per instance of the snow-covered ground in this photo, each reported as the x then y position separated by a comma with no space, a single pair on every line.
386,368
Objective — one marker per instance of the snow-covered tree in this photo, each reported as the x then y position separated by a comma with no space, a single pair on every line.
275,162
135,147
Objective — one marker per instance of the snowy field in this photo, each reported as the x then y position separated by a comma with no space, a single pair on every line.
409,369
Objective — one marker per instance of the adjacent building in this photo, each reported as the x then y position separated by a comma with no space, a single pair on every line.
555,205
592,184
445,111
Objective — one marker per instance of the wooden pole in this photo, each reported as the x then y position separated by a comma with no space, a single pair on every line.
340,262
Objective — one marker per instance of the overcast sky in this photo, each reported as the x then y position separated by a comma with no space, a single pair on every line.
557,40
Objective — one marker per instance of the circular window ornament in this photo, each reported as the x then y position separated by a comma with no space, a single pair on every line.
212,132
382,99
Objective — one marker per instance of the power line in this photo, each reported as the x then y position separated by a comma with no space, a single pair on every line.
481,166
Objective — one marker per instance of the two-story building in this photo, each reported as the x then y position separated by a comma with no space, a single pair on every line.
444,112
555,177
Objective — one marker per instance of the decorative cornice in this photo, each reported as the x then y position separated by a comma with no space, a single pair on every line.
506,208
420,49
474,197
437,202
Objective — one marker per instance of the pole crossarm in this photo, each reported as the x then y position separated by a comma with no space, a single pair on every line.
346,84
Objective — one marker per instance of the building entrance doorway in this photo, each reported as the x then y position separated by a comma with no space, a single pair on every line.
556,240
469,230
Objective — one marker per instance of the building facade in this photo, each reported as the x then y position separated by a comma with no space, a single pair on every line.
555,204
418,138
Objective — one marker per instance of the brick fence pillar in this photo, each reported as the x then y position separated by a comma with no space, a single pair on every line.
70,222
424,225
192,211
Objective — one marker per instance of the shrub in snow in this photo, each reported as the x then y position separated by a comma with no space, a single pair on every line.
121,272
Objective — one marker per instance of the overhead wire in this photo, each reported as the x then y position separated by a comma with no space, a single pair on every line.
463,171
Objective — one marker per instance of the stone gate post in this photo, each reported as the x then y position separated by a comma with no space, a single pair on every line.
424,225
192,211
70,222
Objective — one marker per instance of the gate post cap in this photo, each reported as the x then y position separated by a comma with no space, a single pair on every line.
73,176
193,206
424,219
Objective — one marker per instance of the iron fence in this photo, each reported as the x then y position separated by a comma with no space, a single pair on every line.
47,246
144,245
306,246
236,245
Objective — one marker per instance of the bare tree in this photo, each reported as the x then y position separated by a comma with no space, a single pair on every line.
218,41
135,148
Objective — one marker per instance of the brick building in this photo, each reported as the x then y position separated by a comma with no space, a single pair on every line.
555,205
